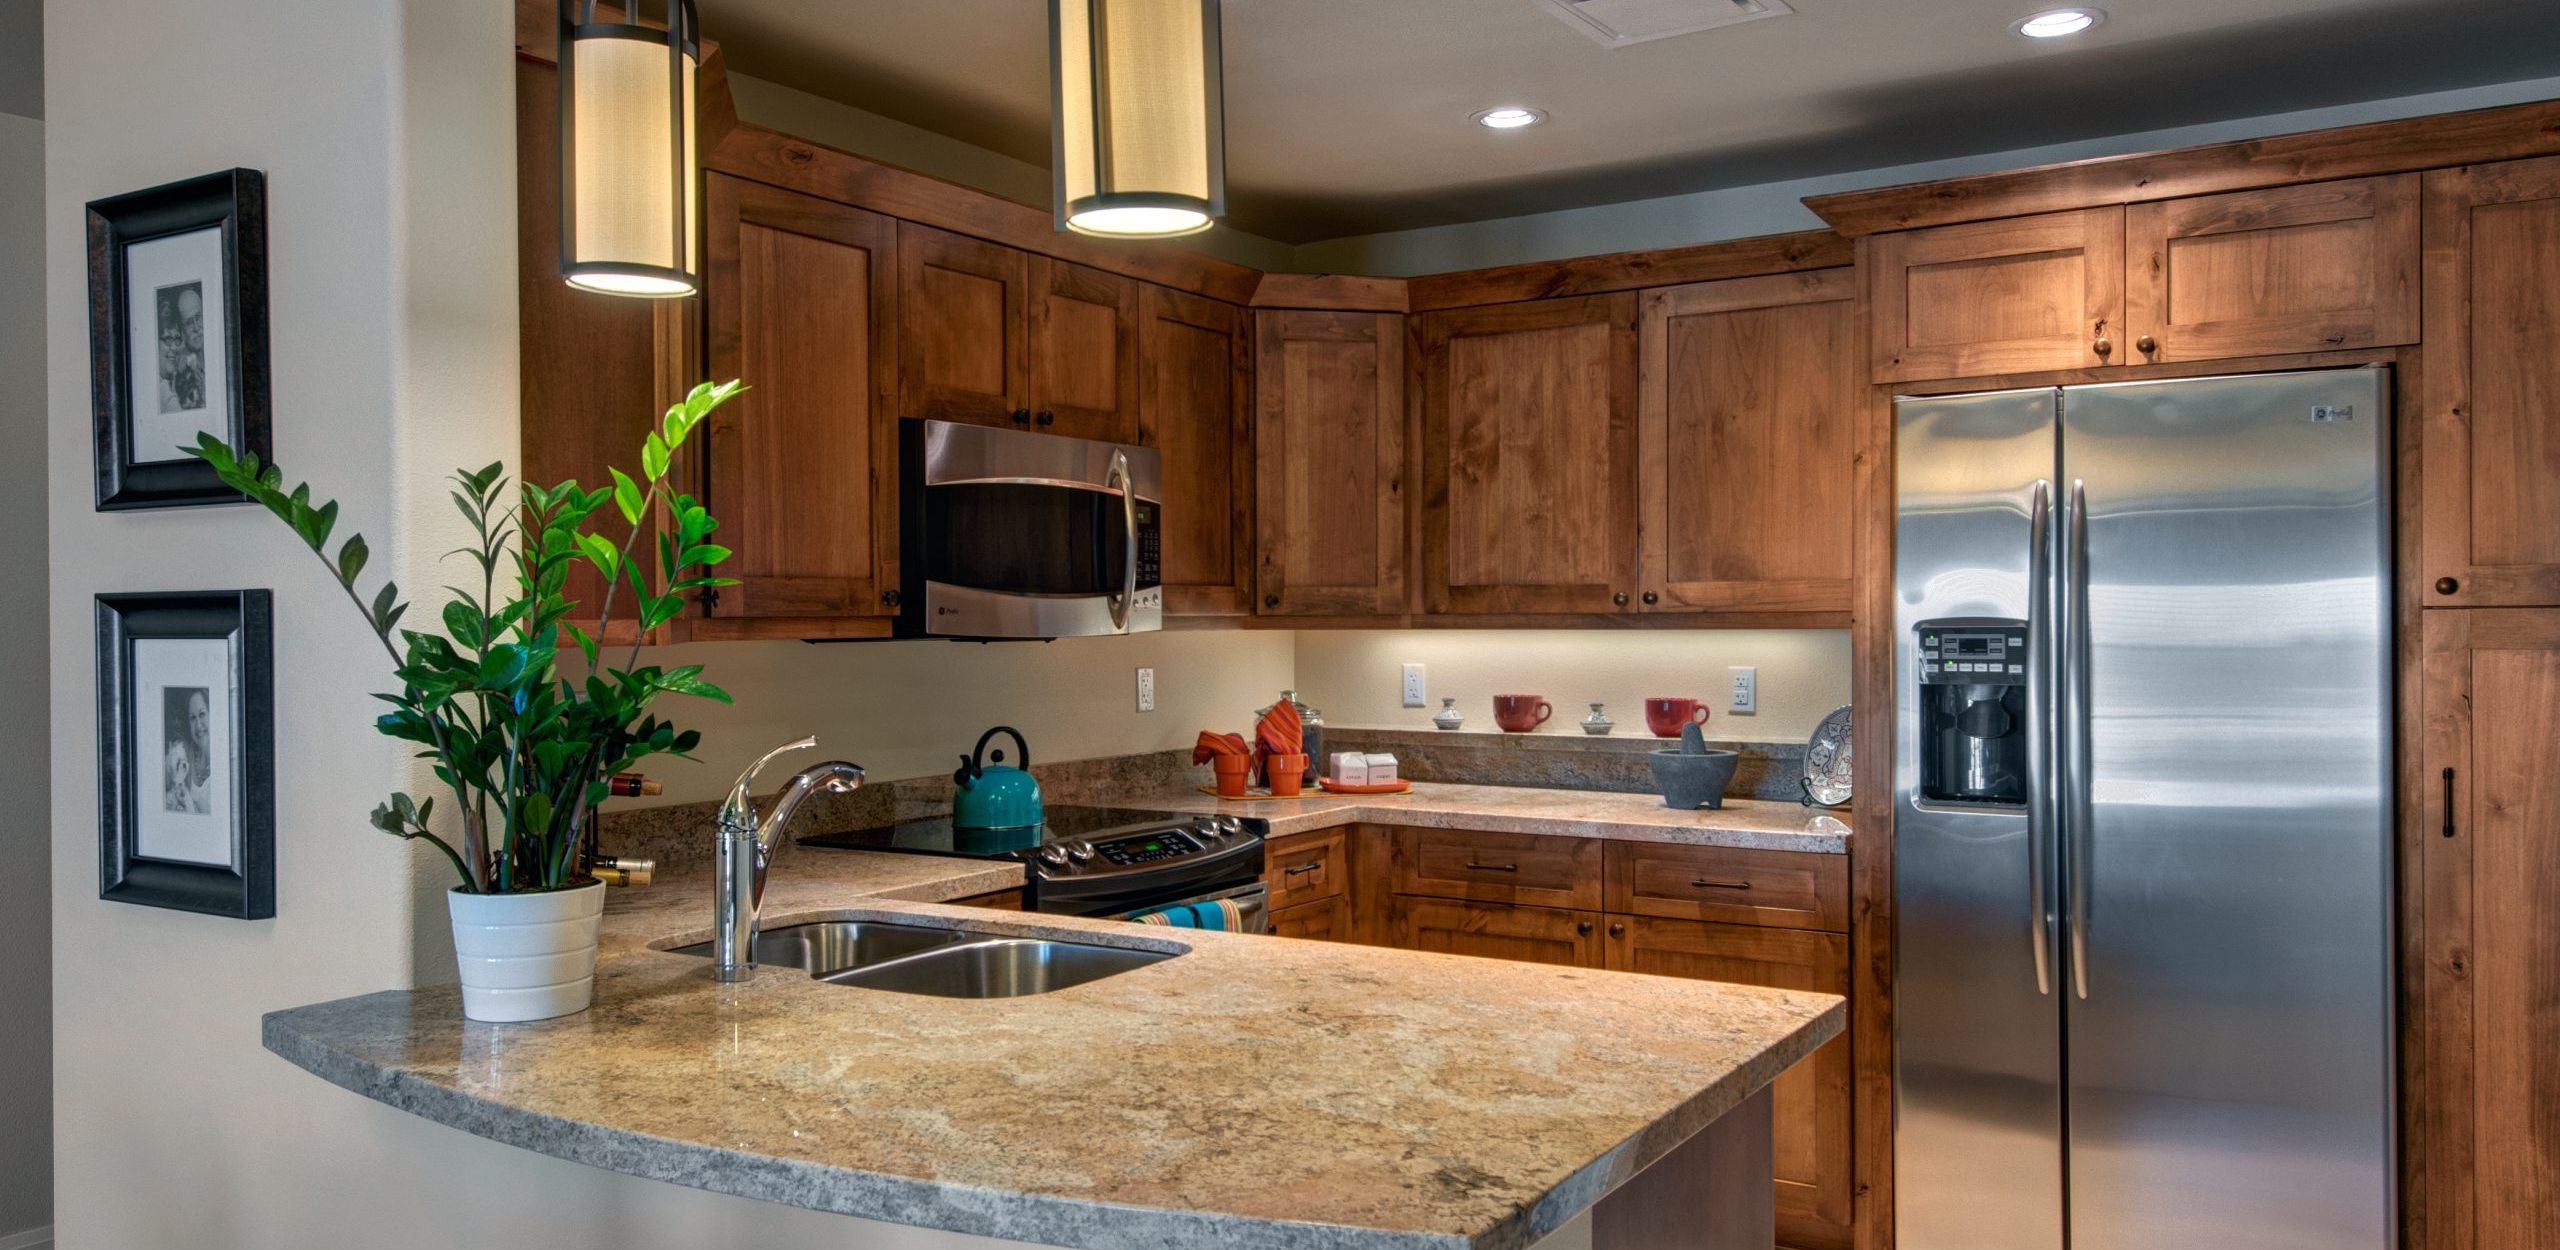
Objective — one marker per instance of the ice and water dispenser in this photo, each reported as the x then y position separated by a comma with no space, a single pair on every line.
1973,710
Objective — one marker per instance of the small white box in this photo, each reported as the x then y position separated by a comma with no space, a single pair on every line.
1350,768
1382,770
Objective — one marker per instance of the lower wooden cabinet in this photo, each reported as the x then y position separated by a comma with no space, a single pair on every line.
1533,935
1810,1101
1326,920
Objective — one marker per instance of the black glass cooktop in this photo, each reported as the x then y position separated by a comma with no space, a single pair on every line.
939,836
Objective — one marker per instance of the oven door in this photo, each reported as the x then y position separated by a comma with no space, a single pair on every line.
1007,534
1253,900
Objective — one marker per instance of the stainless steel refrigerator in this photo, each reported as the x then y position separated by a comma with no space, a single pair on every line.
2142,842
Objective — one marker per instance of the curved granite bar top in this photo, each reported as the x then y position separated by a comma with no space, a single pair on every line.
1754,823
1254,1093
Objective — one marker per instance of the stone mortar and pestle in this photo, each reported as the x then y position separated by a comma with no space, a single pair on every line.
1693,776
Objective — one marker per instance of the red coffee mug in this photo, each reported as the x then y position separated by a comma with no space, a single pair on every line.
1520,713
1665,716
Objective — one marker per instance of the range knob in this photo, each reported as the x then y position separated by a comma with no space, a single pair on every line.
1206,828
1080,851
1053,857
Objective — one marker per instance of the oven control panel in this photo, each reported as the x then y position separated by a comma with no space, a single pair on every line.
1146,848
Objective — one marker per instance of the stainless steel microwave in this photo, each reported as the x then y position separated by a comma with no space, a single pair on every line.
1011,534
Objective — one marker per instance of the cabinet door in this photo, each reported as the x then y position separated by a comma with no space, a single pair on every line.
1529,447
2319,267
1084,351
1329,464
2489,1080
964,341
2490,456
1987,297
1499,867
1751,392
1810,1101
1533,935
1192,366
1326,920
1306,867
801,301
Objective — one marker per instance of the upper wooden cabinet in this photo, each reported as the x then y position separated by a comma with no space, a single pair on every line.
1751,392
964,333
1529,456
2490,530
2324,266
1329,463
1193,361
1084,352
801,298
2013,296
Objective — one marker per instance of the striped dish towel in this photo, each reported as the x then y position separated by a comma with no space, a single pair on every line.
1217,913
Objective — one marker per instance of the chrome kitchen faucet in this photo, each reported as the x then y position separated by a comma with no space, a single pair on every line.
746,848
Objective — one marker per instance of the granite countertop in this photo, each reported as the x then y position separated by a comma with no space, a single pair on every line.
1253,1093
1753,823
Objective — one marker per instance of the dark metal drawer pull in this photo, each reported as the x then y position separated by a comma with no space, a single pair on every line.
1473,866
1704,884
1302,868
2448,802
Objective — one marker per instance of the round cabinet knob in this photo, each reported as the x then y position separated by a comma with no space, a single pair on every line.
2447,585
1047,418
2104,347
1053,857
1617,930
1651,598
1021,416
1619,598
1584,928
2146,344
1271,601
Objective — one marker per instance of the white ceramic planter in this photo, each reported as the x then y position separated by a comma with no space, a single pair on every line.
527,956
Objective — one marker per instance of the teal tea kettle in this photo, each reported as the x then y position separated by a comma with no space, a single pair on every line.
995,796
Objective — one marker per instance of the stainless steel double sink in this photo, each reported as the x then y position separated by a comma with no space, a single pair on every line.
948,963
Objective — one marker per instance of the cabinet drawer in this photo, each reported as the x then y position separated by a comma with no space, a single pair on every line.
1325,920
1535,935
1305,869
1498,867
1789,889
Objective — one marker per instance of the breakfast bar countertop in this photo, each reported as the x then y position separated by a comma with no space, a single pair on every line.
1751,823
1252,1093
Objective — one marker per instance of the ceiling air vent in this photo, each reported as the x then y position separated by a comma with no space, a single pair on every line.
1617,23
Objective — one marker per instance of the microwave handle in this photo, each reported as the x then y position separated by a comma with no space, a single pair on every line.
1119,477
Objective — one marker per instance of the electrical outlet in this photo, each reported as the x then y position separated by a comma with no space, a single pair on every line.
1746,688
1413,686
1146,690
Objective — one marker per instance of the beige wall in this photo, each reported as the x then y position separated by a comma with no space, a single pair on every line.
26,1141
1355,676
906,709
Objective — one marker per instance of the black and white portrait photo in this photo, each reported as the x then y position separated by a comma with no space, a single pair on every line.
177,336
186,775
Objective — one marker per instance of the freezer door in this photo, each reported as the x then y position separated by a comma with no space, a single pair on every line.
2227,826
1977,1027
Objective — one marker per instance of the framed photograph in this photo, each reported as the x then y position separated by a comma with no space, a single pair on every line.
177,336
186,751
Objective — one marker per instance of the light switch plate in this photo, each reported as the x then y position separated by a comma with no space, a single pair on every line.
1413,686
1146,690
1746,688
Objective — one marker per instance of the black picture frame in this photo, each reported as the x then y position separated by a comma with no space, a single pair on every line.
244,621
234,203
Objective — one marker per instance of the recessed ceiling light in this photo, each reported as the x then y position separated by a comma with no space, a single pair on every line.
1509,117
2055,23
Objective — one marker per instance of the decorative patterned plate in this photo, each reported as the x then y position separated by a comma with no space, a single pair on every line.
1826,762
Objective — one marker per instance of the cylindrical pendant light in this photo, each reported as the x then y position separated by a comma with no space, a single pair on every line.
1138,117
629,198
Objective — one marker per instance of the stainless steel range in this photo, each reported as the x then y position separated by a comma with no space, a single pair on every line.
1100,861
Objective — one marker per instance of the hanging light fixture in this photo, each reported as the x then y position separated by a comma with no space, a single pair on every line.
1138,116
629,201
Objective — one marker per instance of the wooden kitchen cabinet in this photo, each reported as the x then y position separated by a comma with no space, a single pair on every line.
1810,1109
801,299
1194,360
1537,935
1084,351
964,328
1329,464
2489,534
1751,390
1729,884
1325,920
2487,1073
1498,867
1308,867
2017,295
1529,456
2323,266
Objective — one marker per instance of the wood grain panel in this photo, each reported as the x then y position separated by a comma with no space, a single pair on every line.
1629,271
1330,463
1750,397
1810,1102
802,299
1306,868
1325,920
2320,267
1732,885
1083,351
1871,913
1194,391
1340,292
1536,935
1499,867
2492,399
963,342
1998,297
1529,420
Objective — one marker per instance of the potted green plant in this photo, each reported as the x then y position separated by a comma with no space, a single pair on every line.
525,749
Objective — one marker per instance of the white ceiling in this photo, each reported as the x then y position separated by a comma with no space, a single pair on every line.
1350,116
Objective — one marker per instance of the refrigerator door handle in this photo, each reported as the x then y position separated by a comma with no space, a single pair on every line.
2040,778
2077,802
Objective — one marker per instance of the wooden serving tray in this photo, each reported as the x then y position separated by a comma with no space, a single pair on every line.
1397,786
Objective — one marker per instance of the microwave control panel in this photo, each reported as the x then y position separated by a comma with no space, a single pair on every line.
1150,545
1973,652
